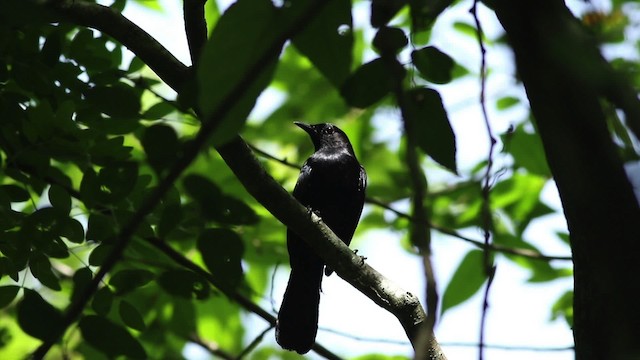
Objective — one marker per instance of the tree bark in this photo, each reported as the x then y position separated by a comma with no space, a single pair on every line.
562,71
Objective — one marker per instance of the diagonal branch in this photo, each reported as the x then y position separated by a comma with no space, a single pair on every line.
114,24
349,266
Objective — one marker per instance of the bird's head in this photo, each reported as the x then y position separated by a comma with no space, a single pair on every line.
326,136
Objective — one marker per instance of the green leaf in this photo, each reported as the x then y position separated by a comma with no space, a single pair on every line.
371,82
221,251
183,318
242,36
60,199
433,64
119,100
527,151
390,40
159,111
7,294
466,281
31,312
8,268
172,216
71,229
40,267
81,278
131,316
101,228
110,338
382,11
15,193
430,126
184,283
160,142
507,102
466,29
563,307
328,39
102,301
217,206
130,279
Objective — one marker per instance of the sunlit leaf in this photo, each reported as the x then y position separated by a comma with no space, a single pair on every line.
466,281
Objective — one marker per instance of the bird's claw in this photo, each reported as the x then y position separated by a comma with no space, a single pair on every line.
362,258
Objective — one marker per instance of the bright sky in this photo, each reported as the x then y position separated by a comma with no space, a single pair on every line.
519,312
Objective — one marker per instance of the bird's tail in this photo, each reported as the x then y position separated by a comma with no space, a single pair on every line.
298,317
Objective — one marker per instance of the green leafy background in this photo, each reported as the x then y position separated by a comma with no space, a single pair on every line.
87,131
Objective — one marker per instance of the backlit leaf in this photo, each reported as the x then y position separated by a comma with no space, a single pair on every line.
222,250
430,126
466,281
110,338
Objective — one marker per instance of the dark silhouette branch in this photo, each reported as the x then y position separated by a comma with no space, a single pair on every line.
487,221
348,265
235,296
419,231
112,23
195,26
560,67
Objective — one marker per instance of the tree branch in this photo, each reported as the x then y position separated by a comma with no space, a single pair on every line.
195,27
349,266
114,24
240,159
531,254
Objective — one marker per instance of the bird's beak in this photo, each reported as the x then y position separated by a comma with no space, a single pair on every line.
305,127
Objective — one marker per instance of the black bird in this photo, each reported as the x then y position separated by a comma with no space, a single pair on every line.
332,184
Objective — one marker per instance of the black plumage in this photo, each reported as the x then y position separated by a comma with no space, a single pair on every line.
332,183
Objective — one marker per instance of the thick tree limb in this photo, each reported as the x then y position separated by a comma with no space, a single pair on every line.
112,23
560,70
349,266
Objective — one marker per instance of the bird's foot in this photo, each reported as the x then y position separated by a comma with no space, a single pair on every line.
362,258
310,211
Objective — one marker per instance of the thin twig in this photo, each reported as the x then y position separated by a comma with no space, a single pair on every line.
489,266
254,343
511,347
531,254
